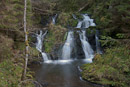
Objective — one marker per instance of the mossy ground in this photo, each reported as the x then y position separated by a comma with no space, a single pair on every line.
11,63
10,74
111,68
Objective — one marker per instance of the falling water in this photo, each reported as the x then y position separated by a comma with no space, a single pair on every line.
40,38
88,51
85,23
67,74
98,46
68,46
54,19
39,44
79,25
44,55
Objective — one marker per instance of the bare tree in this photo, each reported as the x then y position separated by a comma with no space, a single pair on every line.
26,39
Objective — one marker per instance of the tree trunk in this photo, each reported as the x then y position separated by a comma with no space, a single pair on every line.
26,40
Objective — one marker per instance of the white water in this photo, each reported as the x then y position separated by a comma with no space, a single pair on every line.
86,23
79,25
54,19
39,44
68,46
98,47
88,51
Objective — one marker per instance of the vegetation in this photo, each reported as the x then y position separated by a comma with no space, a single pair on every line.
111,16
11,64
54,37
111,68
112,19
11,72
12,43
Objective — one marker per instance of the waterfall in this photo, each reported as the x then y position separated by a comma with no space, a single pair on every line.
79,25
86,22
68,46
54,19
39,44
82,24
98,46
88,51
44,56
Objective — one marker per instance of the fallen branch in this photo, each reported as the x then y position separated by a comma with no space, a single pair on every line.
24,81
41,10
83,7
37,84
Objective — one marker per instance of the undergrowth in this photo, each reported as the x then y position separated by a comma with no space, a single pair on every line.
111,68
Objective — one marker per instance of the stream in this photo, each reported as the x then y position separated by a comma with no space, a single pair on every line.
66,72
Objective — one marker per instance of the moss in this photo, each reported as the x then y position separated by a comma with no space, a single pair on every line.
10,74
11,63
33,52
63,19
55,36
112,68
12,16
5,47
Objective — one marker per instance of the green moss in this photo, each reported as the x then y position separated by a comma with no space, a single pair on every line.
12,17
54,37
33,52
10,74
63,19
50,41
112,68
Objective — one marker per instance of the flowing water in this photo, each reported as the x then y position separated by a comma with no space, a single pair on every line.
61,74
54,19
68,46
88,51
98,46
39,44
86,23
66,72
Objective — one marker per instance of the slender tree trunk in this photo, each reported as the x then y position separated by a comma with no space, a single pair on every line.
26,40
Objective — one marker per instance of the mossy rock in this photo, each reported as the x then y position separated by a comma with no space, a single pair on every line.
55,36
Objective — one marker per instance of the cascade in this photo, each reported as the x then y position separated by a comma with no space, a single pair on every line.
98,46
54,19
79,25
86,23
39,44
69,43
68,46
88,51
